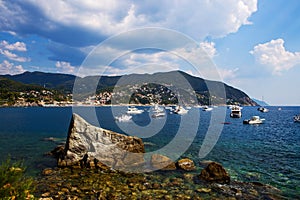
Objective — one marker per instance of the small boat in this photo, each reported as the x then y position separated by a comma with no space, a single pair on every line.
206,108
254,120
134,110
263,109
236,112
180,110
158,112
168,108
297,118
123,118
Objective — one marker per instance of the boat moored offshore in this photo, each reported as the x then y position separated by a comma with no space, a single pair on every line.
254,120
297,118
236,112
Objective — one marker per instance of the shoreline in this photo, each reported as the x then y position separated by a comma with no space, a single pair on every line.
139,105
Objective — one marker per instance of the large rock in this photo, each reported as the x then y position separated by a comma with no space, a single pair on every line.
186,164
161,162
92,146
215,172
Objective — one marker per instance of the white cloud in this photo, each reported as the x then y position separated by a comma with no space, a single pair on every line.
198,19
9,68
13,56
209,48
274,56
149,68
228,74
65,67
17,46
133,62
6,48
192,59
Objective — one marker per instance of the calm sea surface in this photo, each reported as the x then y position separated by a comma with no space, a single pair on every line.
268,153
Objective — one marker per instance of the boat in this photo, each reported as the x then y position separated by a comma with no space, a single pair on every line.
158,112
134,110
236,112
123,118
206,108
254,120
297,118
263,109
169,108
180,110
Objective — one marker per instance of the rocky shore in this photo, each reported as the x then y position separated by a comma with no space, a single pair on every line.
100,164
67,183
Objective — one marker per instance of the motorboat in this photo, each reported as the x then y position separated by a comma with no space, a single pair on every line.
263,109
297,118
123,118
180,110
236,112
134,110
206,108
254,120
158,112
169,108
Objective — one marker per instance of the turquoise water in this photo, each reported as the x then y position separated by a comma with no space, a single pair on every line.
269,153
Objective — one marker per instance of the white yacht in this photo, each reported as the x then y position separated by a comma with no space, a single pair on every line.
254,120
180,110
206,108
158,111
134,110
236,112
123,118
263,109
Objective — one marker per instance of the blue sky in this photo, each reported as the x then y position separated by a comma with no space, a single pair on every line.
254,44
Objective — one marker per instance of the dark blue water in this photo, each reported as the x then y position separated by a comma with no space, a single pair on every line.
269,153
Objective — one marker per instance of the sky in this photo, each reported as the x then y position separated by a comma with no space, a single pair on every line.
254,45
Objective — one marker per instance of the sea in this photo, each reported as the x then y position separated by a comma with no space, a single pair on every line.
268,153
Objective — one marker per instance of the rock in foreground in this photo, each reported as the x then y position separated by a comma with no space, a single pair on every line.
186,164
92,146
161,162
214,172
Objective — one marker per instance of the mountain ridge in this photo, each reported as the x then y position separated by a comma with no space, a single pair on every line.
205,89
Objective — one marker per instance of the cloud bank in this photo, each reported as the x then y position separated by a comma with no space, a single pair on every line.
72,26
83,23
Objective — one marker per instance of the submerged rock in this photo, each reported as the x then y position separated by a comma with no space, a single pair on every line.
186,164
161,162
215,172
91,146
